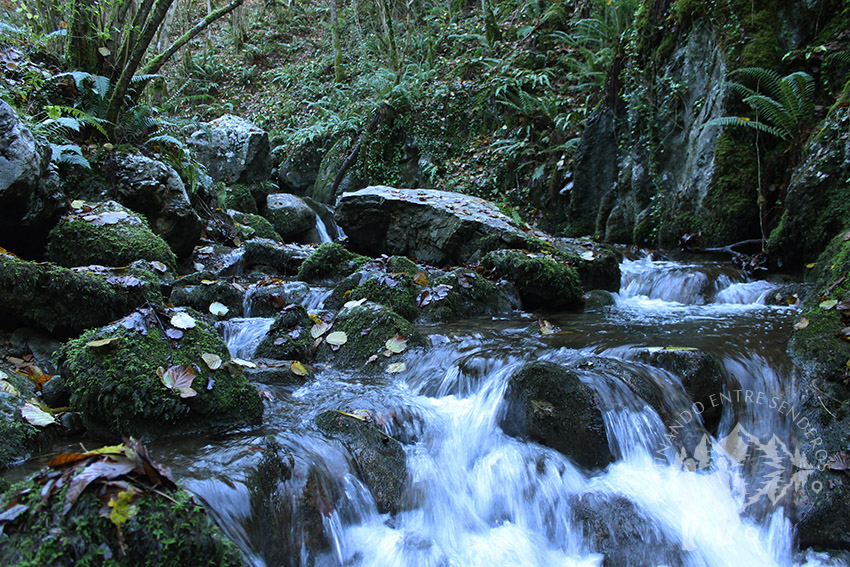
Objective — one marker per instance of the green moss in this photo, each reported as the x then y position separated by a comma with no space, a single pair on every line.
400,296
289,337
62,301
240,198
20,438
471,294
252,225
330,261
200,297
118,392
541,281
166,531
368,327
76,241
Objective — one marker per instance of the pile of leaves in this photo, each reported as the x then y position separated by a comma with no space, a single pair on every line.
119,475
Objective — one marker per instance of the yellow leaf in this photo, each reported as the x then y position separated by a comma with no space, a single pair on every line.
801,324
420,279
396,368
77,204
122,508
213,361
828,304
319,329
337,338
812,265
100,343
396,344
297,368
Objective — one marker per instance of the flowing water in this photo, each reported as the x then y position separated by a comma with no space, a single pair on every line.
478,497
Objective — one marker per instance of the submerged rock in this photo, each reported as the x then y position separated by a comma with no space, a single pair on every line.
552,406
118,388
542,281
155,190
62,301
435,227
233,150
615,527
108,234
379,459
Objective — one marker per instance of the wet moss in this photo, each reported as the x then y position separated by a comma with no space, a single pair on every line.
20,438
368,327
60,300
253,225
541,281
289,337
118,392
240,198
471,294
167,531
330,261
75,241
200,297
400,295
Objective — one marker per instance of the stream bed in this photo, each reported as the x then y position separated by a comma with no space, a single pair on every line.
475,496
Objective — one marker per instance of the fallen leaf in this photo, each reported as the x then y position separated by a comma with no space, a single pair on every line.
100,470
297,368
828,304
319,329
396,368
208,282
122,508
357,303
36,416
213,361
101,343
175,334
218,309
8,388
104,51
396,344
546,328
801,324
77,204
587,255
159,266
243,362
178,378
372,359
420,279
812,265
183,321
337,338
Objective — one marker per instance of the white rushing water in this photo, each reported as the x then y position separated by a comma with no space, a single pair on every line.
478,497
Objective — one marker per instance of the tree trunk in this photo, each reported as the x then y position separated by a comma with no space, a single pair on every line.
81,45
339,71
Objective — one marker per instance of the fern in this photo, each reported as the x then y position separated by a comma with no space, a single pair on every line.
55,112
69,154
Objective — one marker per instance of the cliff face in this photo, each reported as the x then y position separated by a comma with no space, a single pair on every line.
648,170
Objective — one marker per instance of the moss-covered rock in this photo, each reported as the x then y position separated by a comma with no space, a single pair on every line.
541,281
118,391
108,234
471,294
167,530
289,215
200,297
254,226
268,300
388,282
552,406
240,197
330,262
62,301
289,336
367,328
380,459
280,258
597,299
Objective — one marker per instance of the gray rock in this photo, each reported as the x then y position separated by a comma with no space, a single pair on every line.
282,258
40,344
155,189
615,527
289,215
200,297
30,198
233,150
331,163
553,407
267,301
300,169
435,227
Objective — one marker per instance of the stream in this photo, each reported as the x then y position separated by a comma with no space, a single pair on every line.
478,497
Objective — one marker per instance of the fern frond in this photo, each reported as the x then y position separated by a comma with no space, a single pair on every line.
164,139
773,112
94,122
742,121
69,154
767,80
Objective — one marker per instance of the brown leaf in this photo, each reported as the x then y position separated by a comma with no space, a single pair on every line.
178,378
98,470
65,459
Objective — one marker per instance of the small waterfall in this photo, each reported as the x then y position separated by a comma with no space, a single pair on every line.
322,229
243,334
315,299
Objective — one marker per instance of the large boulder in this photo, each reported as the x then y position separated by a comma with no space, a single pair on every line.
233,150
62,301
289,215
30,198
120,387
155,190
270,254
542,281
435,227
300,169
552,406
108,234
